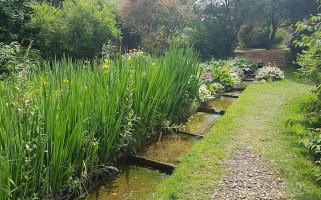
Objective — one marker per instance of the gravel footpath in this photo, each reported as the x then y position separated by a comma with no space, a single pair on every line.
250,178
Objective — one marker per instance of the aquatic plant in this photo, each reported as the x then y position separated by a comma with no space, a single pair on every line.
70,120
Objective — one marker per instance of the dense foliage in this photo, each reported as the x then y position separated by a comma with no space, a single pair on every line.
59,127
310,63
14,15
154,24
216,33
255,36
14,59
76,28
80,28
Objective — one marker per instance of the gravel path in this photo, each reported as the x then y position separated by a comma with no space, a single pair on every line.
250,178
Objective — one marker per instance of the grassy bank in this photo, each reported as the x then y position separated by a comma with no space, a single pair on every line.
256,121
61,125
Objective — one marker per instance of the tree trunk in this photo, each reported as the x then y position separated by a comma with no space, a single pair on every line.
272,37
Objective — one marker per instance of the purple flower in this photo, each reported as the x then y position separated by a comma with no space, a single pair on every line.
208,75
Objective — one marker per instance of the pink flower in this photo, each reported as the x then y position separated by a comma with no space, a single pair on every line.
208,75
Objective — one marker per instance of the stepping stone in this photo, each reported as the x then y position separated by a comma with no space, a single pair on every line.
248,79
233,94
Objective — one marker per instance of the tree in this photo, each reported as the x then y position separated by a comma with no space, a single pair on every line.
78,28
14,14
275,13
222,19
154,23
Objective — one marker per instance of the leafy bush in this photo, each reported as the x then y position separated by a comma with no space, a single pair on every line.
14,59
270,73
310,63
247,65
77,28
212,40
212,73
255,36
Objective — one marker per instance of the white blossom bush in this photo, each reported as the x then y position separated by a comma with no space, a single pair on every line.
204,93
270,74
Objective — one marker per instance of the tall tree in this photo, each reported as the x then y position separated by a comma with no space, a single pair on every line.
13,14
275,13
225,17
155,23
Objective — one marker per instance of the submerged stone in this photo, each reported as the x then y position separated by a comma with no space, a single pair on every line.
170,149
131,183
220,104
201,123
244,84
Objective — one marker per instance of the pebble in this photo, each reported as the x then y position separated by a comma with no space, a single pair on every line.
250,179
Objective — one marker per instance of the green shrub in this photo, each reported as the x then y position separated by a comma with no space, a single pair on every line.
247,65
212,40
255,36
310,63
76,28
14,59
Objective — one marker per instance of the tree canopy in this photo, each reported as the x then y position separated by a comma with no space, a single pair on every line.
79,28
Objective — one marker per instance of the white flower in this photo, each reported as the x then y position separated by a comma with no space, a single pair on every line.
204,92
270,73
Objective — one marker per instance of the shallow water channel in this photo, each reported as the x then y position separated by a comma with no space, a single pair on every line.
131,183
244,84
170,149
235,93
220,104
200,123
140,182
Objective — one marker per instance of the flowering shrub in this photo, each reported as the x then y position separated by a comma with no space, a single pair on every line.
204,92
217,75
270,73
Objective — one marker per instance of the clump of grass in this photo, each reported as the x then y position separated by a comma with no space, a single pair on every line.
70,120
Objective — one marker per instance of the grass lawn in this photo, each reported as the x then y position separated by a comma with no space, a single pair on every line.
256,121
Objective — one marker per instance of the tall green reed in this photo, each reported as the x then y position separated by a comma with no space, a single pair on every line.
63,123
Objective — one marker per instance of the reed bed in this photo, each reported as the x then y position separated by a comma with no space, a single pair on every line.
69,120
